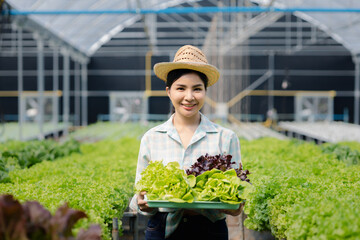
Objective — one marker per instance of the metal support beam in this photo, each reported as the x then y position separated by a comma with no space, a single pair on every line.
180,18
181,10
33,26
41,84
145,110
21,108
357,90
66,90
299,34
84,95
77,93
148,71
250,88
288,33
187,30
271,66
151,28
55,98
250,28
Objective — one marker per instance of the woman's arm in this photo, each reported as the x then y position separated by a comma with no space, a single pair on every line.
234,150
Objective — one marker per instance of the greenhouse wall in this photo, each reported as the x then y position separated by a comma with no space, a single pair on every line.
103,77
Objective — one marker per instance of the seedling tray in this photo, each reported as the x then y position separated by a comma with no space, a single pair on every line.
196,204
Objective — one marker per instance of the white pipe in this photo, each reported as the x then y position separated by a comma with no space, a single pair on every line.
21,109
55,117
41,85
66,90
77,93
84,95
357,90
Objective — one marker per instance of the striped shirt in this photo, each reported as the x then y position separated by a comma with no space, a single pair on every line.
163,143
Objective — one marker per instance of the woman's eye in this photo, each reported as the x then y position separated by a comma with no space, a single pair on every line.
198,89
180,88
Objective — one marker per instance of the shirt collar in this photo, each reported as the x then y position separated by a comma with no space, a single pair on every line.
205,125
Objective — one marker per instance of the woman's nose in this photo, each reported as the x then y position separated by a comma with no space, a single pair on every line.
189,95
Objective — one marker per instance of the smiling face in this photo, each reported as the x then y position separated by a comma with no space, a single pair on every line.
187,95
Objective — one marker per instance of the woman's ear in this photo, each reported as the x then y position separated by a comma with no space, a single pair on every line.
168,91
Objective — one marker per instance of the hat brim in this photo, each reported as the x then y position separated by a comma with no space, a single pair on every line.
162,69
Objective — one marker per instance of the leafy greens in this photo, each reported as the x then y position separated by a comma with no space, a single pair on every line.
173,184
221,161
216,185
166,183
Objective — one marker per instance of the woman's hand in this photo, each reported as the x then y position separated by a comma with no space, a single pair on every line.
142,203
234,212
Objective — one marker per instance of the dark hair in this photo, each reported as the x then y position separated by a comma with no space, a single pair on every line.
177,73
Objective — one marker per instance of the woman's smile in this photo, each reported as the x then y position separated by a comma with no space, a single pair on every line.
188,106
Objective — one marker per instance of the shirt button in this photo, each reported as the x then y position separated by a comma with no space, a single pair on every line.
185,219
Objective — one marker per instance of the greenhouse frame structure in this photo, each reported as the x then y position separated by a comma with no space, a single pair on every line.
82,30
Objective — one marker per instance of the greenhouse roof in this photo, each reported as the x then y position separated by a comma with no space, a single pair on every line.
344,27
86,33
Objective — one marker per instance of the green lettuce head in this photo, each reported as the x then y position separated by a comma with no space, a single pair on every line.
166,183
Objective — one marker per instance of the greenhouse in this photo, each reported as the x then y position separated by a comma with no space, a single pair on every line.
81,96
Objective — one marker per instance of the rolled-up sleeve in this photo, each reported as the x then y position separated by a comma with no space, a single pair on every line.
234,149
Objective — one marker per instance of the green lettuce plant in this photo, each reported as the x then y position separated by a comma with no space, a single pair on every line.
300,192
172,184
166,183
20,155
98,181
216,185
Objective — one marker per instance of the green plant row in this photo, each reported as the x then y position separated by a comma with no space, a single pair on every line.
99,181
300,191
344,152
353,145
20,155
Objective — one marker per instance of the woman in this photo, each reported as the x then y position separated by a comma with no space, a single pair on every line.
186,136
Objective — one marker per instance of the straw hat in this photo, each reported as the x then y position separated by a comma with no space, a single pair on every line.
188,57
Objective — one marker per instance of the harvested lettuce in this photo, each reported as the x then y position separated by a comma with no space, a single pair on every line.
218,186
166,183
172,184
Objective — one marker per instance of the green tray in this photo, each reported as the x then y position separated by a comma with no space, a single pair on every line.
196,204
